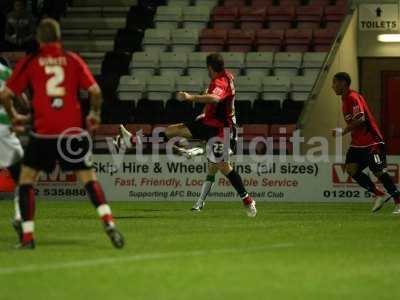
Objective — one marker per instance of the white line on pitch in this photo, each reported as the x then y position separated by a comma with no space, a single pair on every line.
139,257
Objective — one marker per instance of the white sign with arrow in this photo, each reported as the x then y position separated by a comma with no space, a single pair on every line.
378,17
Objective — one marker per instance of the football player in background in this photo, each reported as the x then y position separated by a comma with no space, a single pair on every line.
367,147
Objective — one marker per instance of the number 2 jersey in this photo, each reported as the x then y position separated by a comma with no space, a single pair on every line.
54,77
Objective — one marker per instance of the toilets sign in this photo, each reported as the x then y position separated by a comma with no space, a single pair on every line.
378,17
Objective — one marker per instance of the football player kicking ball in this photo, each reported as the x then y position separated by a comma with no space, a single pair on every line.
367,146
11,151
217,122
55,77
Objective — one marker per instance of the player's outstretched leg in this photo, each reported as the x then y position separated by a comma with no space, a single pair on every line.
98,199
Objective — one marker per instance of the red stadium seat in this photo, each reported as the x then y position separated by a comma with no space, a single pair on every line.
255,130
146,128
298,40
289,2
262,3
281,17
319,3
234,3
252,17
269,40
224,17
212,40
334,15
240,40
323,39
309,16
282,130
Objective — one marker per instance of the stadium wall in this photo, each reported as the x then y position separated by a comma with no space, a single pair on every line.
323,112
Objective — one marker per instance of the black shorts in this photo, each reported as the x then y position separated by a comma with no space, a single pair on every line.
201,131
216,151
73,154
373,157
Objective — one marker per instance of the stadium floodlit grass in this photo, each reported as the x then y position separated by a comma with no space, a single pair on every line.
290,251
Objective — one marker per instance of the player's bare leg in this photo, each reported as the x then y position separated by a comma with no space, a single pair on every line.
206,187
237,183
15,171
27,180
97,197
365,181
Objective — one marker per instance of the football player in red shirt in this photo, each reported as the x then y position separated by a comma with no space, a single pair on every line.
55,77
367,147
219,113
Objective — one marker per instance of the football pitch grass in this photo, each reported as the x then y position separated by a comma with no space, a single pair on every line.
290,251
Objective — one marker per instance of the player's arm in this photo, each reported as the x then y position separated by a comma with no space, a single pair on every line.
354,123
93,119
205,99
18,120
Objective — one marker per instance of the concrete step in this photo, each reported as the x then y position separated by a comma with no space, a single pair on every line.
89,46
105,2
89,34
97,11
93,23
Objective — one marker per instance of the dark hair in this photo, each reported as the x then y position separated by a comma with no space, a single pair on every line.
343,76
216,62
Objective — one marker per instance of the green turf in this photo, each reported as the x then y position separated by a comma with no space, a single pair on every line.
294,251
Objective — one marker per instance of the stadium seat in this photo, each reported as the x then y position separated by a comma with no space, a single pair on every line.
247,88
285,3
212,40
240,40
242,111
281,17
269,40
184,40
234,3
190,84
266,112
298,40
301,87
262,3
196,17
121,111
224,17
275,88
197,64
168,17
312,63
233,61
156,40
149,111
309,16
179,3
160,87
259,63
334,15
178,112
144,64
319,3
209,3
287,63
323,39
291,111
282,130
172,63
251,131
131,89
252,17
